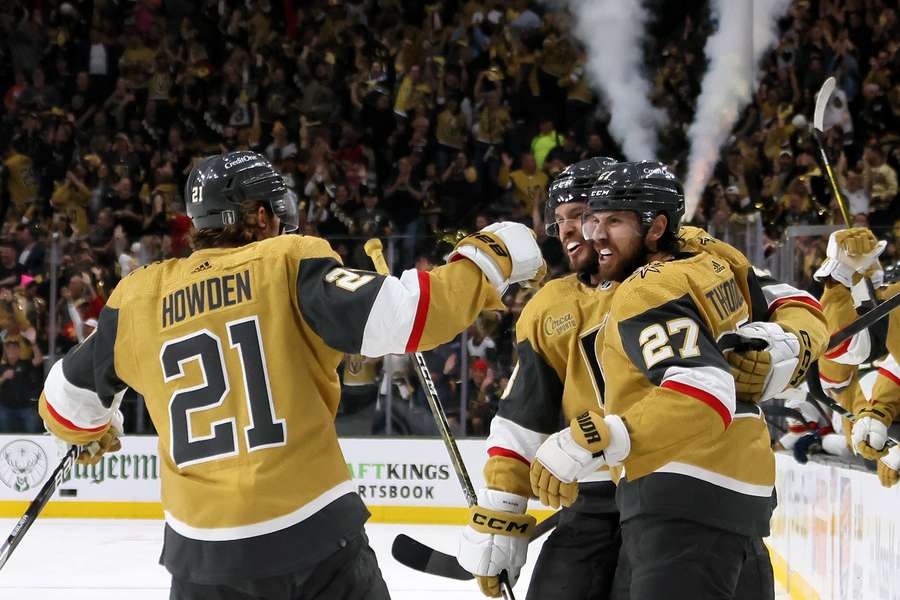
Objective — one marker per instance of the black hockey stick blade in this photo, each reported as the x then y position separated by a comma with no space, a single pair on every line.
416,555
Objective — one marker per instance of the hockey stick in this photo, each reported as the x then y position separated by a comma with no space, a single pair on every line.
373,248
37,505
818,130
863,322
738,343
416,555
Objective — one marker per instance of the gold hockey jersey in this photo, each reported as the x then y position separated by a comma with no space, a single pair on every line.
560,336
557,377
838,368
235,352
696,452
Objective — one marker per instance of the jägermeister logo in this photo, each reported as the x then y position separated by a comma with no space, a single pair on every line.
23,465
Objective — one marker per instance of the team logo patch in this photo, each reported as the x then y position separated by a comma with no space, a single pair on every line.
23,465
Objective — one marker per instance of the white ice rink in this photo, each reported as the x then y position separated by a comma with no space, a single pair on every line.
106,559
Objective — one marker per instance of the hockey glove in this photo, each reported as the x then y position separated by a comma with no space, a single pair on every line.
807,444
496,539
505,252
576,452
92,452
889,468
870,431
762,374
850,254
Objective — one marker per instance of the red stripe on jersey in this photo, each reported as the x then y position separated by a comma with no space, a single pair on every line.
804,299
800,427
415,336
69,424
830,380
498,451
889,375
840,349
701,395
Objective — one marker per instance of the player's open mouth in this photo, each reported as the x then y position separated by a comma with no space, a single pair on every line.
604,254
572,247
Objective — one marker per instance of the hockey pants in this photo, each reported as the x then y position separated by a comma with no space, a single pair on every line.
351,573
676,559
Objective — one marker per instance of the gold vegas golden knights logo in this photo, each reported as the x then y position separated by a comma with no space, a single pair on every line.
23,465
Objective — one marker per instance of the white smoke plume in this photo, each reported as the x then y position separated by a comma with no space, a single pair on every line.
746,30
611,31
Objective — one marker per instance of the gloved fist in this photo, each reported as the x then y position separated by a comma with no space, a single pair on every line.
851,254
889,468
762,374
109,442
870,431
506,252
496,539
576,452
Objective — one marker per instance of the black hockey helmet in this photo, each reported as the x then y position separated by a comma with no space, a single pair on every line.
217,186
573,184
646,187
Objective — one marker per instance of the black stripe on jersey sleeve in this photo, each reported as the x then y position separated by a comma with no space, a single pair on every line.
337,314
630,331
759,306
535,397
91,365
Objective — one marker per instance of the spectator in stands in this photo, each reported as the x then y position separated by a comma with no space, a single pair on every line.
527,183
20,386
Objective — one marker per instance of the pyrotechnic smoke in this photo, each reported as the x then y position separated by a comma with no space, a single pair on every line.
611,31
746,30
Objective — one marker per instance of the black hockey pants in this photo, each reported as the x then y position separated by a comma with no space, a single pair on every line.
351,573
664,557
578,560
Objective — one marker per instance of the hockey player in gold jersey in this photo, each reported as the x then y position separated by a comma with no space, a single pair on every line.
697,473
850,273
559,337
235,350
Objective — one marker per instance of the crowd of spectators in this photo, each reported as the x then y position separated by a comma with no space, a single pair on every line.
386,118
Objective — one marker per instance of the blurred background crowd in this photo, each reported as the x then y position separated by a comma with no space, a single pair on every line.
391,118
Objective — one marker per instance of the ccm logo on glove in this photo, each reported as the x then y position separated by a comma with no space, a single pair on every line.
805,356
492,244
510,527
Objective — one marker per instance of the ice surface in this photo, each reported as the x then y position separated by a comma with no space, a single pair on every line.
111,559
106,559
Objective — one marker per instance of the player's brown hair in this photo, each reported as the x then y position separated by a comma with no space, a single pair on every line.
241,233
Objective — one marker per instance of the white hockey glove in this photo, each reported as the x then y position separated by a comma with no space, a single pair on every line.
852,253
496,539
575,453
763,374
506,252
870,431
889,468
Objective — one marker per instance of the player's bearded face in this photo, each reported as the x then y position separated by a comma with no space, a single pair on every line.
618,242
581,255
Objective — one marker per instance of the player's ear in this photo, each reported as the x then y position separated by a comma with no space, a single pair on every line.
657,230
266,223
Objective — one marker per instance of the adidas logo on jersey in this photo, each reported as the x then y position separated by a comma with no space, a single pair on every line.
717,267
204,266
